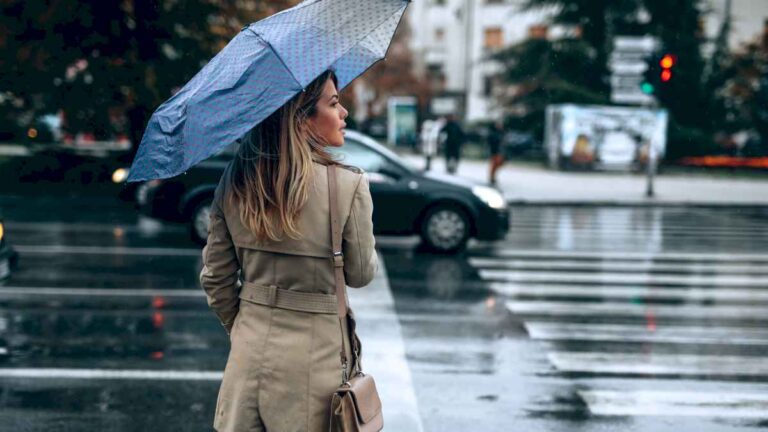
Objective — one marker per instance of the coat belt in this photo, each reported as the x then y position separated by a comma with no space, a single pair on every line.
273,296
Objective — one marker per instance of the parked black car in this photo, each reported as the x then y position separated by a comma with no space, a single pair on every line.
444,210
8,257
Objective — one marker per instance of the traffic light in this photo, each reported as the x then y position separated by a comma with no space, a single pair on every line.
659,74
667,62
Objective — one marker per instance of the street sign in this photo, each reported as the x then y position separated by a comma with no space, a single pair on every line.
628,64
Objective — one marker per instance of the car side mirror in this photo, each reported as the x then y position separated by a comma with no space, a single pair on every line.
390,173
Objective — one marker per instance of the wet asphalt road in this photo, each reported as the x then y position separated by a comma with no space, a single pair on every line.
593,319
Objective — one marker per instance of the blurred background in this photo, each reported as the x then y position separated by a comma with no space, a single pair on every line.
571,209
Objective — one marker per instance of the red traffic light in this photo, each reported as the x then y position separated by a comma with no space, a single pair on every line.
668,61
666,75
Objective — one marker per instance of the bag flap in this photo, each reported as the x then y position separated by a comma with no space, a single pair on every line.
366,397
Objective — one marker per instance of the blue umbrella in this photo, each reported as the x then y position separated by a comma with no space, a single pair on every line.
261,69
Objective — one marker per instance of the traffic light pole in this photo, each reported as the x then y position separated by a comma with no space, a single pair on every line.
651,170
651,163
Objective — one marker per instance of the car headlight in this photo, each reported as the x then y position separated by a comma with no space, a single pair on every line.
119,175
490,196
2,231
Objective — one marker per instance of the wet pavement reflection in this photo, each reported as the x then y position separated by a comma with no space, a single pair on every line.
637,319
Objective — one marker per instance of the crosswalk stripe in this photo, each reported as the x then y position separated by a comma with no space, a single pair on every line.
646,229
675,403
745,295
667,234
637,333
97,292
96,250
617,266
624,255
622,278
658,364
615,309
121,374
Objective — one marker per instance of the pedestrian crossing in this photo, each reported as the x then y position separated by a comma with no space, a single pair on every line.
607,315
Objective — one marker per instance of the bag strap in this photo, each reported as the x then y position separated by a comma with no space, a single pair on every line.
338,265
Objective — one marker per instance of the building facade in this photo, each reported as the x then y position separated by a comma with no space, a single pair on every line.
451,39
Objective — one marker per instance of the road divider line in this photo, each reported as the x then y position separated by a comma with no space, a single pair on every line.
675,403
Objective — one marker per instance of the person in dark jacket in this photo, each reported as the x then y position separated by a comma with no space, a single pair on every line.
454,139
495,134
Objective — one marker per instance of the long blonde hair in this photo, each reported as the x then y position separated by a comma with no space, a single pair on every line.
272,171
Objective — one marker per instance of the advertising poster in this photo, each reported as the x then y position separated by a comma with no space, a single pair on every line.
402,116
604,137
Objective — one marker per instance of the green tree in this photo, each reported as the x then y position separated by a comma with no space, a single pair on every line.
544,72
594,24
94,59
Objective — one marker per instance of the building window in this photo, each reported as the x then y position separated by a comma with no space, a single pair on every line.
494,38
436,77
439,34
439,2
488,84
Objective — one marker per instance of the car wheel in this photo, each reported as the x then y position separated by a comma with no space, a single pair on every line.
445,228
201,217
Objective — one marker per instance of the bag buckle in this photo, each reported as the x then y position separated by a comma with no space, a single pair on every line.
344,375
338,259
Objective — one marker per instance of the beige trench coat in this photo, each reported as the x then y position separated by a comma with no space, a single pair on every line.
284,364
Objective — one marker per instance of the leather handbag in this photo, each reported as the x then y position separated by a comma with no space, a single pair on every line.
355,406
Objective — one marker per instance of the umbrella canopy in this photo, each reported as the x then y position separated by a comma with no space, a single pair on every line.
261,69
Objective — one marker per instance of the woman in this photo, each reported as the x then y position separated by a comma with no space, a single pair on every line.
268,273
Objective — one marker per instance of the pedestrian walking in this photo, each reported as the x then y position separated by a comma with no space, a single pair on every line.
289,225
266,267
454,139
495,135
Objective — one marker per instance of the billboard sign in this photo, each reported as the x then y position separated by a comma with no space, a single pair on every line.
604,137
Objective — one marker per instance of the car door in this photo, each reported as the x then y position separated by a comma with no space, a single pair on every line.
397,198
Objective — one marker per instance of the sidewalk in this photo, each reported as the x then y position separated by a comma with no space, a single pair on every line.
532,185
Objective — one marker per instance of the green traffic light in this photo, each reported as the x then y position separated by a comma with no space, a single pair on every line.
647,88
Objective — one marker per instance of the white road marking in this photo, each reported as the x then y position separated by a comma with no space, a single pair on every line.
624,255
106,250
624,278
675,403
616,309
658,364
688,295
617,266
140,227
97,292
379,329
122,374
639,333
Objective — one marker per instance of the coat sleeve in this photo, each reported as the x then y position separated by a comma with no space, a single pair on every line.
219,276
358,243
